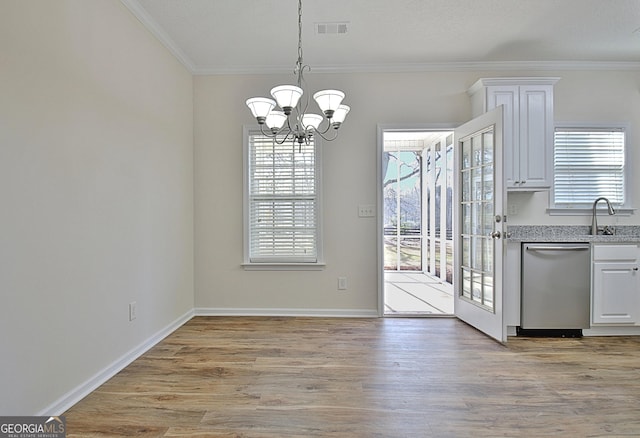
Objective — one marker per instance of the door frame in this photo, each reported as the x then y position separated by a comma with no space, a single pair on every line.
381,129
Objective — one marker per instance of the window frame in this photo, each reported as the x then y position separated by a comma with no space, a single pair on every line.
283,264
624,209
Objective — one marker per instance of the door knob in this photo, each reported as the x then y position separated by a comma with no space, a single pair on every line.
495,235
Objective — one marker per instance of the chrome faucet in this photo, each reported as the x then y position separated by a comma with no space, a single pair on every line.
594,222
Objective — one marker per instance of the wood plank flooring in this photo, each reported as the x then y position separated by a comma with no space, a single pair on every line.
394,377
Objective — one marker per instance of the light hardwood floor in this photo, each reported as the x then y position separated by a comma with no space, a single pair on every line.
395,377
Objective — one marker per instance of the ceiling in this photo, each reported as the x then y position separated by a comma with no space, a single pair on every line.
260,36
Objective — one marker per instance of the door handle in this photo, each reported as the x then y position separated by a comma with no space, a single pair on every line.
495,235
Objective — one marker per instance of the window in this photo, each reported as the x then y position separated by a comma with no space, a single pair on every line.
282,203
588,163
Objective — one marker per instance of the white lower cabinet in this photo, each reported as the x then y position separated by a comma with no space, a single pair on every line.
615,290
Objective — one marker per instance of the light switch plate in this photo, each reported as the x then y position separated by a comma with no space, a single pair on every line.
366,210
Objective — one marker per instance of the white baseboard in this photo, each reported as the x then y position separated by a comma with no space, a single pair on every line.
612,331
327,313
75,395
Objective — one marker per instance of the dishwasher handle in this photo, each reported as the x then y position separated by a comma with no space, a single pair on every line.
557,247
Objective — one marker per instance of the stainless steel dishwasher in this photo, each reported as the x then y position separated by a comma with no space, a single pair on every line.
556,288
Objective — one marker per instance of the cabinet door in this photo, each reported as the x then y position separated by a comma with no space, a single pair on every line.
508,97
536,137
615,293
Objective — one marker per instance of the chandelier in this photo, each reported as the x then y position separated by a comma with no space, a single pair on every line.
286,114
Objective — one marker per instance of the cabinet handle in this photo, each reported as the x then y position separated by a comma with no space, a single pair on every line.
635,269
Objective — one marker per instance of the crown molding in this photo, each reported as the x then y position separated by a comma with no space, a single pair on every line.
156,30
433,67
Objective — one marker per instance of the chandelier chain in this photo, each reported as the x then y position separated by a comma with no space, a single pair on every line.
299,62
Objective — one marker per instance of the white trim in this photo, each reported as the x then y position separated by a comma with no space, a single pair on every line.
284,266
556,211
625,210
381,129
621,330
327,313
428,67
158,31
81,391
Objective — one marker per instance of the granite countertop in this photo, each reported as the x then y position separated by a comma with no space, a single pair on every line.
570,233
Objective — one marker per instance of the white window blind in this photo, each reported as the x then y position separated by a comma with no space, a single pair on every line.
283,201
588,163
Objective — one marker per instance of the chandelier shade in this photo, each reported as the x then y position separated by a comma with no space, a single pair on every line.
328,101
287,96
340,114
286,116
260,107
275,120
311,121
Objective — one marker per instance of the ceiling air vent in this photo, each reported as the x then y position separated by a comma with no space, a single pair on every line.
334,28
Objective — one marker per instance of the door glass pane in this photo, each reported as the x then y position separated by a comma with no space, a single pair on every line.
487,182
466,224
466,186
487,291
478,220
487,255
466,154
476,253
476,144
487,218
476,184
476,287
466,283
487,148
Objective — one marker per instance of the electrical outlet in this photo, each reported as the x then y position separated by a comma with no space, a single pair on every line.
513,209
133,310
366,210
342,283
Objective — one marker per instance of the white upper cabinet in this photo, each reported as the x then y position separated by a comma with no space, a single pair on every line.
528,127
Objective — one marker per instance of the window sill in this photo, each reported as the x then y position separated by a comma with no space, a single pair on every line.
586,211
319,266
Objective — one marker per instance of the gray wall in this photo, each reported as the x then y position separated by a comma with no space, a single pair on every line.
96,190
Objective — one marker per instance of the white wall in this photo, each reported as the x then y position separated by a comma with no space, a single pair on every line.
96,191
350,176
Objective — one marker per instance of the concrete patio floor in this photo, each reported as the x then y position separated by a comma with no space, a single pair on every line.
415,293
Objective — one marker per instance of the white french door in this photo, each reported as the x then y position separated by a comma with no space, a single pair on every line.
480,197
